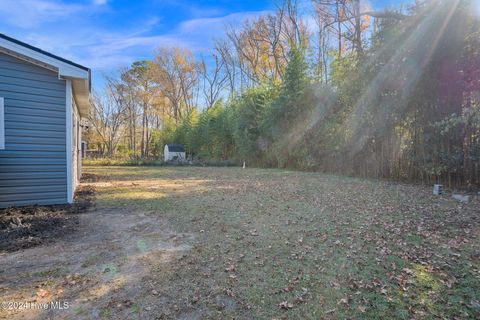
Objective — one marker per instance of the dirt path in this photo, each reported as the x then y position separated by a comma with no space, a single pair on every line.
98,270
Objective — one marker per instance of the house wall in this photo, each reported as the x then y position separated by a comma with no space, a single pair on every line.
33,164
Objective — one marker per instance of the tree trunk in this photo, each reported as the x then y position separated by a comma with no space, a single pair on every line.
339,25
358,28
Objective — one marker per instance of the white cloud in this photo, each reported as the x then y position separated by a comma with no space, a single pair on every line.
82,40
110,50
201,32
31,13
217,24
124,49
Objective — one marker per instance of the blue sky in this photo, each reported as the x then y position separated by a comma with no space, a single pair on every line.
108,34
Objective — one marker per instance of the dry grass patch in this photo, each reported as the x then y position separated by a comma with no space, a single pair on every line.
280,244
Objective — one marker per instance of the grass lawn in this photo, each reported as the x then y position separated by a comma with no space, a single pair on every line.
274,244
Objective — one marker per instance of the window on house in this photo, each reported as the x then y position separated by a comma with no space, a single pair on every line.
2,123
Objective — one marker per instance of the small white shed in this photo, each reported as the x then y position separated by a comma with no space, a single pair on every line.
173,152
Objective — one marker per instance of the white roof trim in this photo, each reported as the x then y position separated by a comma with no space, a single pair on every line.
64,69
79,75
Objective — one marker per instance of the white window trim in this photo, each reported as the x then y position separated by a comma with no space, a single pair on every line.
2,123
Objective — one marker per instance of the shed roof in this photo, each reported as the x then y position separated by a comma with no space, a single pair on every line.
175,148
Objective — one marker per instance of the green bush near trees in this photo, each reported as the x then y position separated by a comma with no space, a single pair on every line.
399,102
390,112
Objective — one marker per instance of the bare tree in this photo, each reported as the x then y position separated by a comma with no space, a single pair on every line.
229,62
322,38
108,116
214,80
138,78
175,74
132,108
332,13
348,19
260,48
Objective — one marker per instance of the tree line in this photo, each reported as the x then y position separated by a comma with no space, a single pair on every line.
338,88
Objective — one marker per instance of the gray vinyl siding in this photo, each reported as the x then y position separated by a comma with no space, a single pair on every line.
33,165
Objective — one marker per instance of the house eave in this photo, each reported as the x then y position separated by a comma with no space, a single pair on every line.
79,75
81,94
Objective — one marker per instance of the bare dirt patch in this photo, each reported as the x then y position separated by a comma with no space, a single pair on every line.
30,226
98,269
